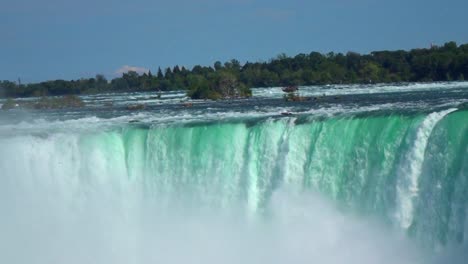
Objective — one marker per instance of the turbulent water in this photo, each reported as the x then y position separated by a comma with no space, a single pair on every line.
359,174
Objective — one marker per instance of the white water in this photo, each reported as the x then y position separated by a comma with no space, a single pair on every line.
61,204
320,90
410,172
73,191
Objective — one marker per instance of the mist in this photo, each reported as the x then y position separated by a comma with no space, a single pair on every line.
269,192
45,223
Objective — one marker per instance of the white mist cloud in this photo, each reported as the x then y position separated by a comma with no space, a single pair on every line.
127,68
79,206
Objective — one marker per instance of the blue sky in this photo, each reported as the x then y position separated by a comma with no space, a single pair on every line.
65,39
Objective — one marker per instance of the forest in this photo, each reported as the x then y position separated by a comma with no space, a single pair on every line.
232,79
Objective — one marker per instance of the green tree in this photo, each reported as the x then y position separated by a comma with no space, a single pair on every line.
160,75
218,66
370,72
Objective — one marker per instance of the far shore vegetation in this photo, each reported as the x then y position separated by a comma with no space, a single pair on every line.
231,79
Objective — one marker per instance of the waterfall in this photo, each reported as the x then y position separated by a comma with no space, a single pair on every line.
115,185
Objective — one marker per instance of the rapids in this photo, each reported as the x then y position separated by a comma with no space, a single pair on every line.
369,177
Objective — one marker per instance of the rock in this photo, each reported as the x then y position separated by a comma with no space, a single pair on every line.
135,107
9,104
290,89
291,97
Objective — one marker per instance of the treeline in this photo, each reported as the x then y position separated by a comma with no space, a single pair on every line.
231,79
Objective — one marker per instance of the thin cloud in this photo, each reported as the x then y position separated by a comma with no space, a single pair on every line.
127,68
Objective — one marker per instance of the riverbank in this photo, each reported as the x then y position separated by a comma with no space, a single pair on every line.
233,79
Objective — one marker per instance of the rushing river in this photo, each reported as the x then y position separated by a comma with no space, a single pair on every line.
358,174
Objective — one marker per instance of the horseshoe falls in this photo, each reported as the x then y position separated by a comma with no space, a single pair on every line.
365,174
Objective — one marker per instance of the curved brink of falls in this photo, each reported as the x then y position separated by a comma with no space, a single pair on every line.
411,170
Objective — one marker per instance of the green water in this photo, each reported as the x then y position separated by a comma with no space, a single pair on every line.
409,170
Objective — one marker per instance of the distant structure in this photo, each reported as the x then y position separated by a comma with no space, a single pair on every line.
434,46
19,82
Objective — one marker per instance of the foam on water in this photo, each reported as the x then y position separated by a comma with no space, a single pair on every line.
360,89
67,205
238,183
408,180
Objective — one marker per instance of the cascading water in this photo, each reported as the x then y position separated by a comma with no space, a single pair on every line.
369,187
407,186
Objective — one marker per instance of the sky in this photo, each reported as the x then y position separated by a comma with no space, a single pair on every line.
71,39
